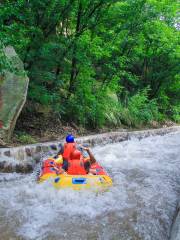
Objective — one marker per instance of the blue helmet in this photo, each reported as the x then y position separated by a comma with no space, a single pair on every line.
70,138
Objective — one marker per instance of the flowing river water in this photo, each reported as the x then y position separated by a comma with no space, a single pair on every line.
140,206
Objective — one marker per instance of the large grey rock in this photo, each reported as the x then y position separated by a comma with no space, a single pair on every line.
13,92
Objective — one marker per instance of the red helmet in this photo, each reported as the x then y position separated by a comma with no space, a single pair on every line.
76,154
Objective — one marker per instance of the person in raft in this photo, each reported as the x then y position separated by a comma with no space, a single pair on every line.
76,159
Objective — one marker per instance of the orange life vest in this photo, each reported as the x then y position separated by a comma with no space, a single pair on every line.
76,167
76,163
68,149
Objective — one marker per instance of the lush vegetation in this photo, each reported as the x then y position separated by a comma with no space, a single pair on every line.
97,62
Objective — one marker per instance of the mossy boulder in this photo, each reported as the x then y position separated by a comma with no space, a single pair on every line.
13,92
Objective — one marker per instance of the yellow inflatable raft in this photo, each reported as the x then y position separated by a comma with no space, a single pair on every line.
78,182
50,172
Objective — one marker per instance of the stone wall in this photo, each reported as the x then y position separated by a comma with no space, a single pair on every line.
25,158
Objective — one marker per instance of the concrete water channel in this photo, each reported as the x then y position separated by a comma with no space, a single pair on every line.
142,204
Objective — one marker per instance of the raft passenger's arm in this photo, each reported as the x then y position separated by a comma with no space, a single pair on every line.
92,158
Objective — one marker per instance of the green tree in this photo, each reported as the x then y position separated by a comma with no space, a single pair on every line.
97,62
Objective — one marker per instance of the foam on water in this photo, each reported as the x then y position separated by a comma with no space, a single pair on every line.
140,205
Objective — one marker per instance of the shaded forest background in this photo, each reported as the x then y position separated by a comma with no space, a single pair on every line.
96,63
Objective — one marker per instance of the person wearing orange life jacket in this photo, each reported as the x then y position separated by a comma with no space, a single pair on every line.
76,163
69,147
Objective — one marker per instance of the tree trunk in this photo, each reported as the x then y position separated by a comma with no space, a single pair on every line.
74,71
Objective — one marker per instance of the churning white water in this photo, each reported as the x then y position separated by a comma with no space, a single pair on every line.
140,205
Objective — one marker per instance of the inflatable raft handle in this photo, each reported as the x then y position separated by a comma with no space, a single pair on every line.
79,180
56,180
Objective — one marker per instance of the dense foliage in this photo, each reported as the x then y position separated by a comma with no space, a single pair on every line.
97,62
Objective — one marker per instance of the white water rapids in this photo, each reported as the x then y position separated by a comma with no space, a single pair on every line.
140,206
